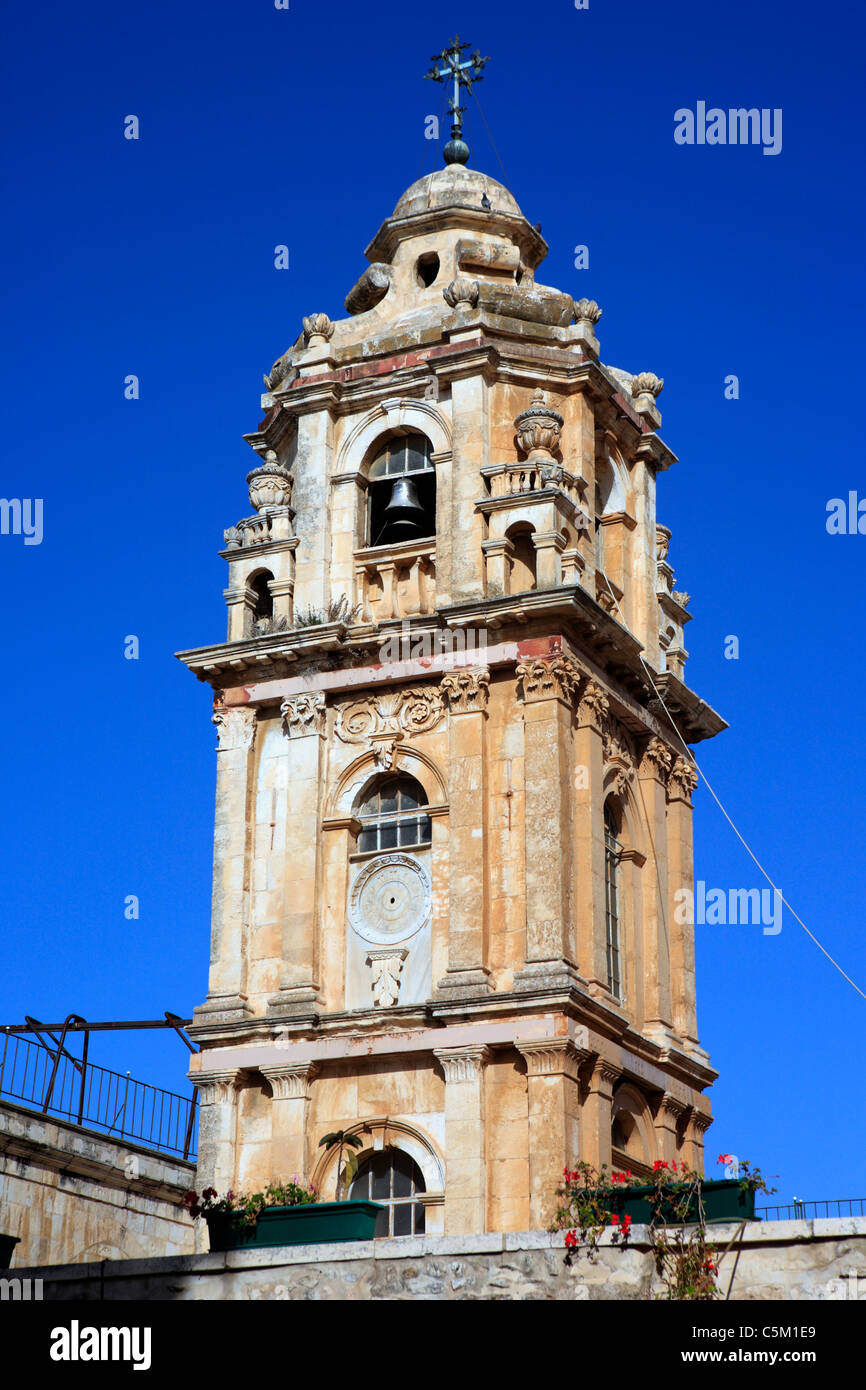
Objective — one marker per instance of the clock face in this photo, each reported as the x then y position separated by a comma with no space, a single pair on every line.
391,899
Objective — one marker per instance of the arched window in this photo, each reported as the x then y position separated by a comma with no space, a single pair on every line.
394,1179
523,559
402,492
612,852
391,817
263,606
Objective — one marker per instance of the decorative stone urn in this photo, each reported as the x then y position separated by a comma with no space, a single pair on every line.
461,293
317,330
270,484
663,540
586,314
538,430
645,387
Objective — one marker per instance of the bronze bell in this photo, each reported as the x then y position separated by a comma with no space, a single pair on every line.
404,513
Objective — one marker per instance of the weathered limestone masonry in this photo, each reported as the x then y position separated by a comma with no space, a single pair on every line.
452,812
773,1260
73,1195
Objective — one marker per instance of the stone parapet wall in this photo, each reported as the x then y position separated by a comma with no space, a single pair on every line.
74,1194
778,1260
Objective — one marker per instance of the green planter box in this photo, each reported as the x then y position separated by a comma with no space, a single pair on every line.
7,1246
723,1198
313,1224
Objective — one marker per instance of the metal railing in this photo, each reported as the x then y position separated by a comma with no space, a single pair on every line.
94,1097
811,1211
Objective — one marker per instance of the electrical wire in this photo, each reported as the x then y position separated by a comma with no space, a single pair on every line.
699,770
492,141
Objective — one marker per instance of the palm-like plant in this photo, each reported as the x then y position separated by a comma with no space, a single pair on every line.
346,1172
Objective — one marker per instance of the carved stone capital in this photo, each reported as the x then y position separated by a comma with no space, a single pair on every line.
663,540
549,678
318,329
461,1063
700,1122
619,754
671,1107
290,1081
552,1057
656,761
304,714
593,707
461,293
604,1075
236,727
682,781
465,691
216,1087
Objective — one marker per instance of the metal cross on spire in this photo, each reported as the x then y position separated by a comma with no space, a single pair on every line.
462,72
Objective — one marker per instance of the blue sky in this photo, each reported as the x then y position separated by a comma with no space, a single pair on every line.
261,127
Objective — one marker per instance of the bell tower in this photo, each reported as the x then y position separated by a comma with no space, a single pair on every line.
453,807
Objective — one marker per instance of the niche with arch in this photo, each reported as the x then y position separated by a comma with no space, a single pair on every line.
632,1134
261,612
523,560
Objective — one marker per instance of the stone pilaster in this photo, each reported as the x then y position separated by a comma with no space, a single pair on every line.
668,1118
304,725
290,1104
699,1123
597,1112
465,1138
592,712
310,496
681,783
497,554
548,687
217,1128
469,412
553,1098
233,833
549,546
653,774
466,694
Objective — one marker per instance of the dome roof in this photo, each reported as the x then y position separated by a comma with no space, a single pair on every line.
455,186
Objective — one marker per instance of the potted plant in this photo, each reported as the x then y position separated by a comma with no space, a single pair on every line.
346,1172
282,1214
677,1206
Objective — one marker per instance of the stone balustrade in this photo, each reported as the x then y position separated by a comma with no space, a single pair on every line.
519,479
396,581
272,525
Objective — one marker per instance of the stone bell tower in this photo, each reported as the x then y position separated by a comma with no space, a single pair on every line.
452,812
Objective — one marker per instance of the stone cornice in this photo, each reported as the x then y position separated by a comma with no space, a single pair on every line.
460,217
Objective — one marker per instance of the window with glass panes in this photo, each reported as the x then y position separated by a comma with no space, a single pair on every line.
392,816
394,1179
